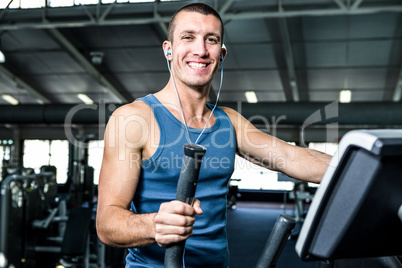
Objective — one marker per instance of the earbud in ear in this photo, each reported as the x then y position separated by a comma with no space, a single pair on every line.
221,58
168,52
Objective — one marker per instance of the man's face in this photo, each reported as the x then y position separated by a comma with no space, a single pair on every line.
196,48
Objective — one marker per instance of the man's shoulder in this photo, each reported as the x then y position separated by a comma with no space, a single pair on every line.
236,118
233,114
131,123
135,108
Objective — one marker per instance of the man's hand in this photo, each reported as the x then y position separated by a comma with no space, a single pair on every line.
174,221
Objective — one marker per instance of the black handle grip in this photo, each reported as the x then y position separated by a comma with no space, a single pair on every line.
186,187
276,241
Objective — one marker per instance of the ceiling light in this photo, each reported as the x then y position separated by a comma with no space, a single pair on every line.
10,99
85,99
251,97
345,96
97,57
2,58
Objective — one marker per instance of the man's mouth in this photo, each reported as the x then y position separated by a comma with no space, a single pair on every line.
197,65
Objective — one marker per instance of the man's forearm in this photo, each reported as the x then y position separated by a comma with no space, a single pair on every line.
312,164
123,228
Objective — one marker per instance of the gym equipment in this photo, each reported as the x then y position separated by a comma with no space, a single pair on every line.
186,187
34,228
74,248
276,241
24,199
355,210
11,224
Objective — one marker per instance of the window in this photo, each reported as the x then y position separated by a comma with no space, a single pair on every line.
254,177
31,3
59,158
325,147
62,3
4,155
95,155
38,153
86,2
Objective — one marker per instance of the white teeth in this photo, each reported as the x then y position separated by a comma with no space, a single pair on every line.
197,65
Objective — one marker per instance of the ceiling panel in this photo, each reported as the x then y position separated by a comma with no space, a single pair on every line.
137,83
71,83
230,96
250,80
250,56
312,45
27,40
238,31
40,63
357,96
113,36
135,59
337,79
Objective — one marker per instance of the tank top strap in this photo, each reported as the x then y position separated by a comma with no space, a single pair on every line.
160,116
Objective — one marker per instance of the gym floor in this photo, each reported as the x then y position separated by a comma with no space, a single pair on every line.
249,226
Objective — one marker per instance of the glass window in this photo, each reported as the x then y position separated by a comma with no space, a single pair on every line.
325,147
32,3
5,155
95,155
38,153
86,2
59,158
254,177
61,3
14,4
2,157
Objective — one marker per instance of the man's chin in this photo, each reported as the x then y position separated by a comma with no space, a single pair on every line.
199,84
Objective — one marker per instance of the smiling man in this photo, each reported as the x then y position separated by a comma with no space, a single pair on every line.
144,146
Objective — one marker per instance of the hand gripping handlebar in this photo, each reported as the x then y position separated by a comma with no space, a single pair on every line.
186,187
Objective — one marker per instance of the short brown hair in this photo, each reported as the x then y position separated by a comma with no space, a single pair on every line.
195,7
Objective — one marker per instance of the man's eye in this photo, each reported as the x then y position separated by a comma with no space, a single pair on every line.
212,40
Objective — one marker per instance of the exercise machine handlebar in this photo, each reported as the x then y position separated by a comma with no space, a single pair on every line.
276,241
186,187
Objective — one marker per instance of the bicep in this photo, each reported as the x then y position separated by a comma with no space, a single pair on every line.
117,181
265,150
121,162
275,154
259,147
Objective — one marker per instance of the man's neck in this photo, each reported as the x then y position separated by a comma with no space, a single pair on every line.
193,102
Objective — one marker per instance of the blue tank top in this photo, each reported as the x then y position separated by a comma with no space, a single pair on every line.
207,247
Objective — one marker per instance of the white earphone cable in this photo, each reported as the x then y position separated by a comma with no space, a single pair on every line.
178,100
181,109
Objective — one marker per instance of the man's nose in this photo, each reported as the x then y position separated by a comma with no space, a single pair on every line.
200,48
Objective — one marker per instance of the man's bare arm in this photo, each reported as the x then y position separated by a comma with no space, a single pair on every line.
275,154
116,224
126,138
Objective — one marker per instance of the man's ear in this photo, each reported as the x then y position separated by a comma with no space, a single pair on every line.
223,52
167,49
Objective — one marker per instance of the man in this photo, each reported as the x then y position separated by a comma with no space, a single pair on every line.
144,146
